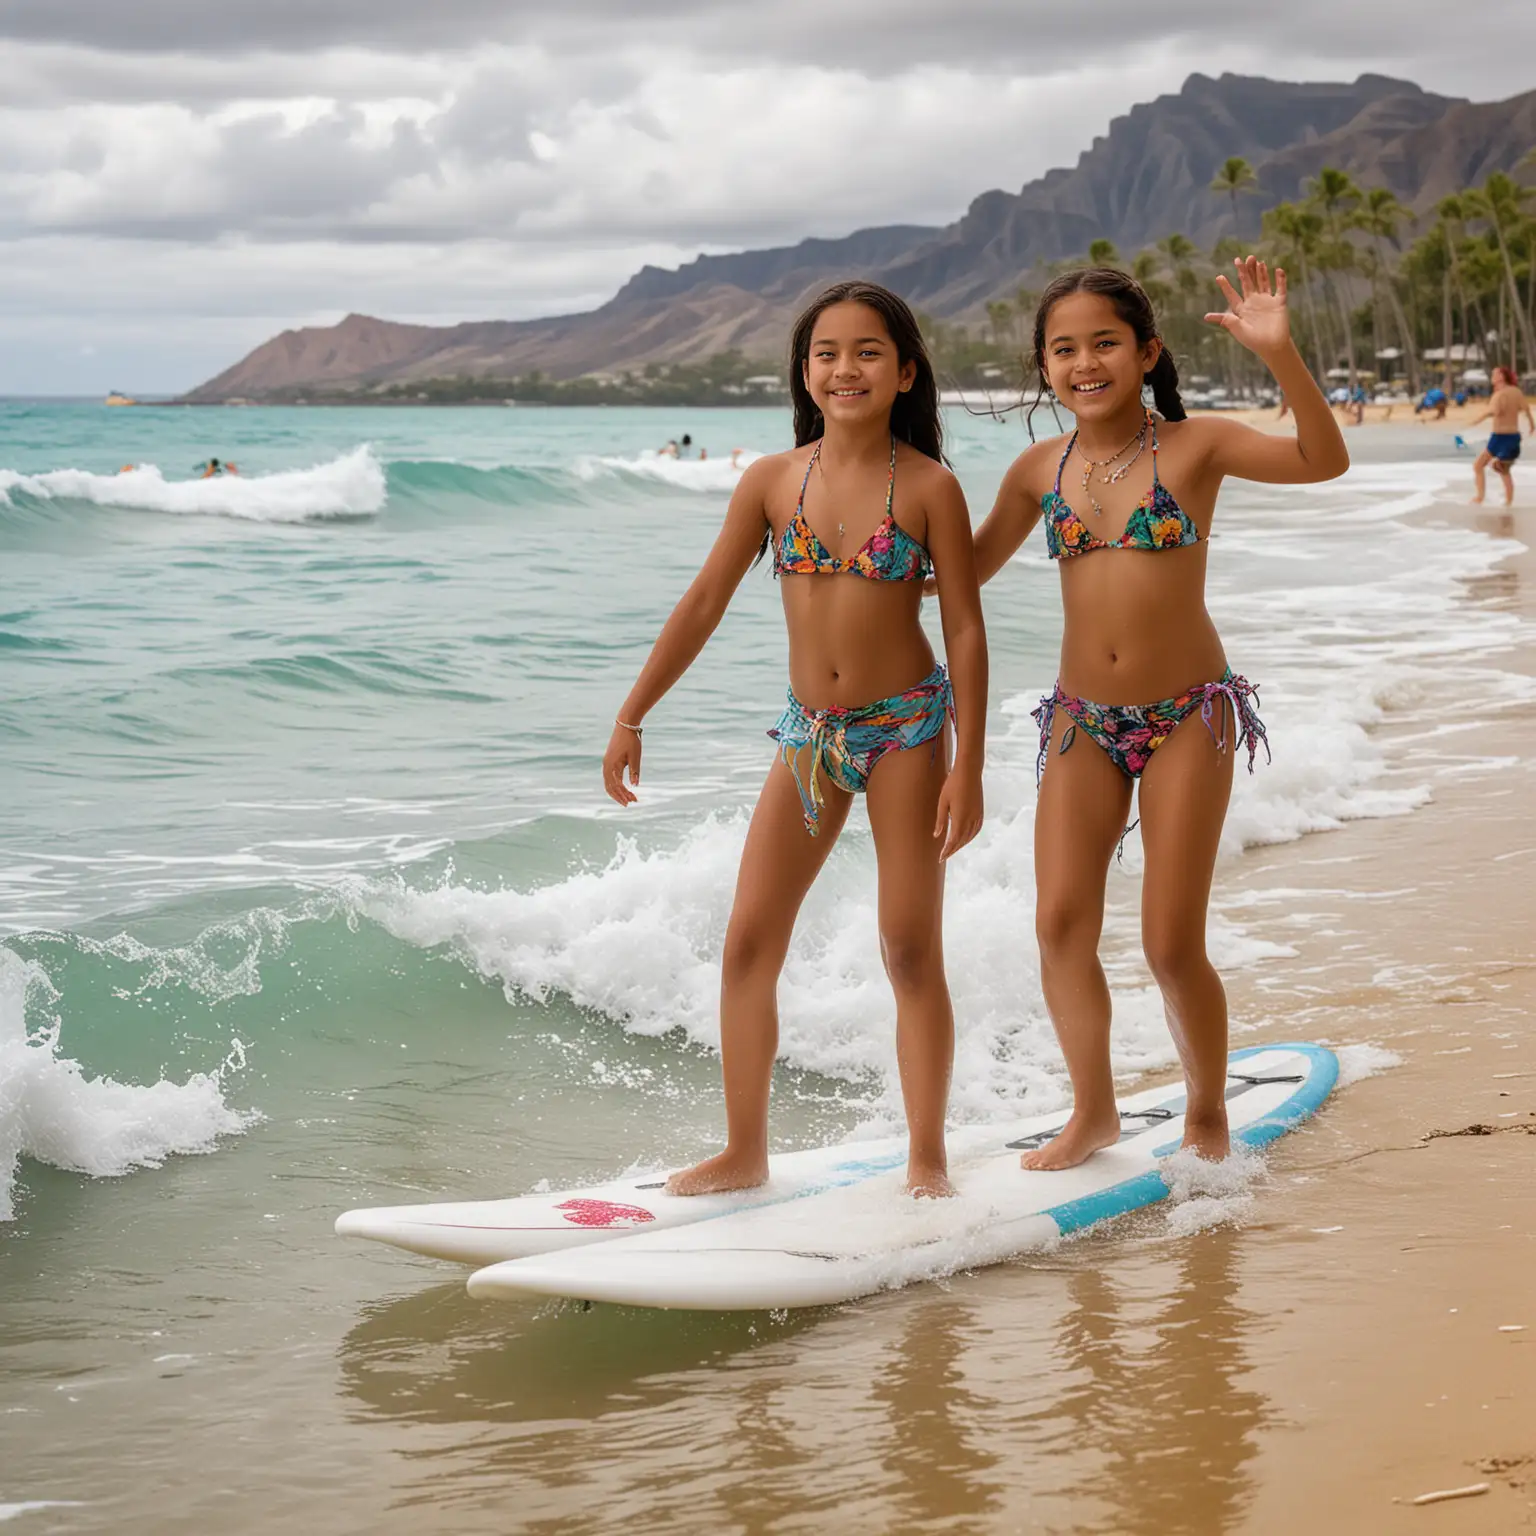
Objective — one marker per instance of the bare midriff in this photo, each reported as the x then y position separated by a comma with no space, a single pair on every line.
853,641
1137,629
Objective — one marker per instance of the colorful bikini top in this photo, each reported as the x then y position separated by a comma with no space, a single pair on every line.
1157,521
889,554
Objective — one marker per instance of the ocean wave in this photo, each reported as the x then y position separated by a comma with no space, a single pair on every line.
350,486
707,475
639,940
51,1111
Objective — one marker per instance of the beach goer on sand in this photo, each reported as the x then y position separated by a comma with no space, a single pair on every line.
1505,407
1145,696
1435,400
855,516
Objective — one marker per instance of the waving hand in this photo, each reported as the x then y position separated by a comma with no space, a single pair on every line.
1257,317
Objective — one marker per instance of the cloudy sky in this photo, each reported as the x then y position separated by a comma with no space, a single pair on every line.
180,179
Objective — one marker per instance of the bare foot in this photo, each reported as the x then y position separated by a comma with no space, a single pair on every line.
928,1181
715,1175
1206,1136
1082,1136
1476,501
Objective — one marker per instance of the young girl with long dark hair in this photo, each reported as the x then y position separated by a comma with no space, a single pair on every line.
1144,695
856,516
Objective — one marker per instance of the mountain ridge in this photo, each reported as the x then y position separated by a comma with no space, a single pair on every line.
1146,177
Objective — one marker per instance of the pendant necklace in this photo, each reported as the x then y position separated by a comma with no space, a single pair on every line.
1111,477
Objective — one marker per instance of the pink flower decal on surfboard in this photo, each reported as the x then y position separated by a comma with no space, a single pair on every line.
603,1213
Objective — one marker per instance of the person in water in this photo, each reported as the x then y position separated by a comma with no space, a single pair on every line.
1145,696
1505,407
855,516
214,467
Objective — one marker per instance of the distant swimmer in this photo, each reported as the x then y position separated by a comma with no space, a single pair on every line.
1505,407
669,451
213,467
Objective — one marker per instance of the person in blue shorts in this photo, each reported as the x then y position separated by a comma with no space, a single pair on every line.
1505,407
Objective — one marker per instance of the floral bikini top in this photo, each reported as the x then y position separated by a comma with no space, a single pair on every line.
889,554
1157,521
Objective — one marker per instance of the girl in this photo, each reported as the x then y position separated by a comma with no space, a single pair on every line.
1144,692
856,516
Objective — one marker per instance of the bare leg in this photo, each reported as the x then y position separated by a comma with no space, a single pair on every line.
903,802
1479,475
1084,800
1184,794
778,864
1507,475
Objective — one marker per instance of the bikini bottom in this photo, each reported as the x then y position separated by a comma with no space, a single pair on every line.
1131,733
845,744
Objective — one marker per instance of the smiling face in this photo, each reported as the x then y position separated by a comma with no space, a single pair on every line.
1093,362
853,371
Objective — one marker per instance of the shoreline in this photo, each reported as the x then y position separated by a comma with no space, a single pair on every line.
1406,1383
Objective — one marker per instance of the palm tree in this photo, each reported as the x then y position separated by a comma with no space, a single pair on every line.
1453,212
1235,176
1335,195
1499,202
1379,217
1295,233
999,316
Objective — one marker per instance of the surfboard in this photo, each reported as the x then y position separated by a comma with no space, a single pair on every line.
865,1234
483,1232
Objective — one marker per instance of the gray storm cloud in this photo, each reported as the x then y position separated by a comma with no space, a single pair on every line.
291,160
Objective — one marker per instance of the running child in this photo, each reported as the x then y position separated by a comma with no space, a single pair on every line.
1145,694
856,516
1505,407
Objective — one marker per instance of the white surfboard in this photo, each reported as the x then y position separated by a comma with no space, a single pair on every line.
481,1232
868,1235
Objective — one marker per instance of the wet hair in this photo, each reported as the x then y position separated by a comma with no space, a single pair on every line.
1131,303
915,415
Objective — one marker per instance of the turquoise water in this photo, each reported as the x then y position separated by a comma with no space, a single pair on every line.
309,897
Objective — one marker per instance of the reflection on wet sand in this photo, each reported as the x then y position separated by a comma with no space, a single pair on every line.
1101,1392
1162,1403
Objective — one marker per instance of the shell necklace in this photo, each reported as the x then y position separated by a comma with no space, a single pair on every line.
1111,477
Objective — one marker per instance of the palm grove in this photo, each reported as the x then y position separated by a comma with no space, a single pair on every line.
1374,289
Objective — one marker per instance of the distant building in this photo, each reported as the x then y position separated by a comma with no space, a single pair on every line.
768,383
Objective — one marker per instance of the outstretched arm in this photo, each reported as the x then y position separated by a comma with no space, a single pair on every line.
692,622
1258,318
965,646
1011,520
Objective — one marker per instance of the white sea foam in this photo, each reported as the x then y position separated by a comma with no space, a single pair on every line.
51,1111
346,487
1371,620
719,472
1358,1062
1203,1194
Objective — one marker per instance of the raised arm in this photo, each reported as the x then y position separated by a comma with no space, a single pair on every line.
1258,318
694,619
965,646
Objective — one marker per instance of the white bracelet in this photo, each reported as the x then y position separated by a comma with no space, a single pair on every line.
628,727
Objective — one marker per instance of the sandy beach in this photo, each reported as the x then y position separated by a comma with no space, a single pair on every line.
1457,418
